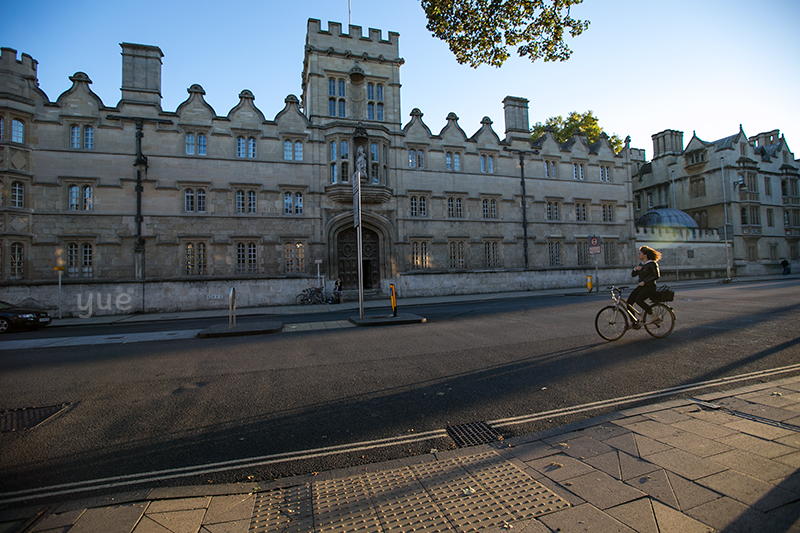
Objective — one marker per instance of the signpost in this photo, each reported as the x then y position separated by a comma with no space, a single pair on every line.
594,249
59,270
361,166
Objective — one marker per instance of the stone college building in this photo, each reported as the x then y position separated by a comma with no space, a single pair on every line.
170,209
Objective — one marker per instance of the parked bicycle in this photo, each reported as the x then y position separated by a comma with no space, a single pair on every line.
613,321
311,295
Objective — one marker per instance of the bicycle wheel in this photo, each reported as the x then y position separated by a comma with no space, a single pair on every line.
302,299
611,323
662,321
319,297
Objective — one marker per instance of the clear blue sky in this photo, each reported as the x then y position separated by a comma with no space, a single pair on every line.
642,67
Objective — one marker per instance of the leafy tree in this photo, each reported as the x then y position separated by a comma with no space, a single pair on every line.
564,129
479,31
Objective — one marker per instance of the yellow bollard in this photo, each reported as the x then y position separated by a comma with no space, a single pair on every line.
589,283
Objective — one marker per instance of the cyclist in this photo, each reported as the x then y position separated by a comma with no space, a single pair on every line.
648,273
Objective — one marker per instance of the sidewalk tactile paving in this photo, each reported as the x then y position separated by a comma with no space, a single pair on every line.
287,510
457,494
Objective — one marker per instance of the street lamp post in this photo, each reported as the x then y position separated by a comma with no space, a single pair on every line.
522,154
141,167
741,186
140,164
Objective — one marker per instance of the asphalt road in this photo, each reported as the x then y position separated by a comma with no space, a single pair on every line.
225,409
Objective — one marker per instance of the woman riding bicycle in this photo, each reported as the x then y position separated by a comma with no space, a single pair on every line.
648,273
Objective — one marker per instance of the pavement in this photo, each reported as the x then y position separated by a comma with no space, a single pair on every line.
726,461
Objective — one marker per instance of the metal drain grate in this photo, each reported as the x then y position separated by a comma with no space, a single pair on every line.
472,434
27,417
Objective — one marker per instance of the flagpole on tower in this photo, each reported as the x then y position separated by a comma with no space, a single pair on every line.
349,16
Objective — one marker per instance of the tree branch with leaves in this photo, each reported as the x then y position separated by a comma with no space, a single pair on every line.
481,31
564,128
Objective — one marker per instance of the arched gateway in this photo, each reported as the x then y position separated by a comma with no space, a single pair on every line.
347,258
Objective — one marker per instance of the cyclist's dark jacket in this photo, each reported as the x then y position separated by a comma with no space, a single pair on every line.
648,274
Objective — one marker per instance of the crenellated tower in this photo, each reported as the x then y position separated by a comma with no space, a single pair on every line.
351,77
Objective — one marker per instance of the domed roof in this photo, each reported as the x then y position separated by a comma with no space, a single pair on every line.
667,217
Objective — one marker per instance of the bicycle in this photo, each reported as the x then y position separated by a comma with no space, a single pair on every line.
611,322
311,295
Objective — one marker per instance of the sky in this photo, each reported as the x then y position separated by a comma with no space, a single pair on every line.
643,66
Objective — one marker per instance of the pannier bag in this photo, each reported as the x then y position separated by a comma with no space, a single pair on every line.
664,294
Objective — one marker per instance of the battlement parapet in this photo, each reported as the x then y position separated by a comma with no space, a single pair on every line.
333,36
25,67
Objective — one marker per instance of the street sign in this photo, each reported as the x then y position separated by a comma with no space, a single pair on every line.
594,245
318,261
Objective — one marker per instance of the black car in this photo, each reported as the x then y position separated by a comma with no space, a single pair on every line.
13,317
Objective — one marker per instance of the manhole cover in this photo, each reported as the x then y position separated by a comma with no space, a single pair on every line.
27,417
472,434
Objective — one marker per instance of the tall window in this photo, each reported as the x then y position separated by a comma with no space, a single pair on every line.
251,148
17,194
292,203
80,198
419,206
195,258
554,253
419,255
767,186
17,131
17,260
608,213
79,260
492,252
487,164
583,252
448,161
489,208
552,211
196,144
194,200
457,254
549,169
580,212
251,201
605,173
294,257
455,207
241,147
416,159
374,101
246,258
374,163
240,201
456,161
292,150
770,218
577,171
609,253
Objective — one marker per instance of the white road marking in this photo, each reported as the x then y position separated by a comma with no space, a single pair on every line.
210,468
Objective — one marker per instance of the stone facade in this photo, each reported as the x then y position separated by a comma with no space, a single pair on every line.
243,200
757,196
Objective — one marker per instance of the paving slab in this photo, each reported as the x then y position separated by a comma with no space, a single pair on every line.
656,485
114,519
730,516
672,521
760,429
560,467
688,493
750,491
694,444
704,428
584,517
601,490
762,447
637,514
755,466
685,464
